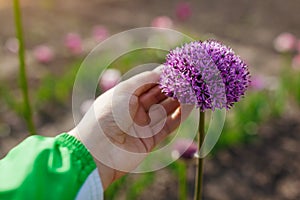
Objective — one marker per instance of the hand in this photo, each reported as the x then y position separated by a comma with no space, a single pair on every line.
119,142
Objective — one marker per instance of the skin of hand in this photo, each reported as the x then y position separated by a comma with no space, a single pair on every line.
116,150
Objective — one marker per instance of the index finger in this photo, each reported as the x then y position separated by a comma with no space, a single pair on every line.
142,82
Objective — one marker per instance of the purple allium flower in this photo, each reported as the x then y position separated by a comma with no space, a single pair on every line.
162,22
285,42
85,106
185,149
298,46
109,79
100,33
258,83
183,11
73,43
43,54
207,74
296,62
12,45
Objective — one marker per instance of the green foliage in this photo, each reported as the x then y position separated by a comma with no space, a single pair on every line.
113,190
56,89
290,82
10,101
180,170
133,190
139,185
244,119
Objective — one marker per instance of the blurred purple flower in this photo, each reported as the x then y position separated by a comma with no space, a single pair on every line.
183,11
12,45
296,62
109,79
85,106
207,74
298,46
285,42
100,33
162,22
257,83
43,54
73,43
184,148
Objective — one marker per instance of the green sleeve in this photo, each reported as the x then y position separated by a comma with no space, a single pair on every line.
45,168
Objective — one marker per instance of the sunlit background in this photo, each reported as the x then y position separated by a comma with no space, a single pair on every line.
257,156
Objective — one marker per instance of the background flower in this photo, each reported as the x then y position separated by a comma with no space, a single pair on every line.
109,79
183,11
73,43
285,42
298,46
100,33
296,62
12,45
85,106
184,148
257,83
43,54
162,22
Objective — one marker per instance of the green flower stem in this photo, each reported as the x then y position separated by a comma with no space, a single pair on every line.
199,173
22,73
182,173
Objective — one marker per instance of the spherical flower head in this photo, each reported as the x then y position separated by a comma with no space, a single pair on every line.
298,46
285,42
185,149
296,62
43,54
206,74
162,22
183,11
73,43
100,33
109,79
12,45
86,105
258,83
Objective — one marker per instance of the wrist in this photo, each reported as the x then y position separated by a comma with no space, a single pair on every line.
107,174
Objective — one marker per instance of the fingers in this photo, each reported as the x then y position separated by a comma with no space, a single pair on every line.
129,91
172,122
152,96
164,120
142,82
170,105
141,117
157,111
162,110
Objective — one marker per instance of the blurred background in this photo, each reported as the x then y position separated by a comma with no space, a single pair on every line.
257,156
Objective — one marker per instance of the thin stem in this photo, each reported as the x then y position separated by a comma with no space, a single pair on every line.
199,173
182,173
22,74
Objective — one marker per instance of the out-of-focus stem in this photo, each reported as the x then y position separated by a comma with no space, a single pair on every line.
22,69
182,173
